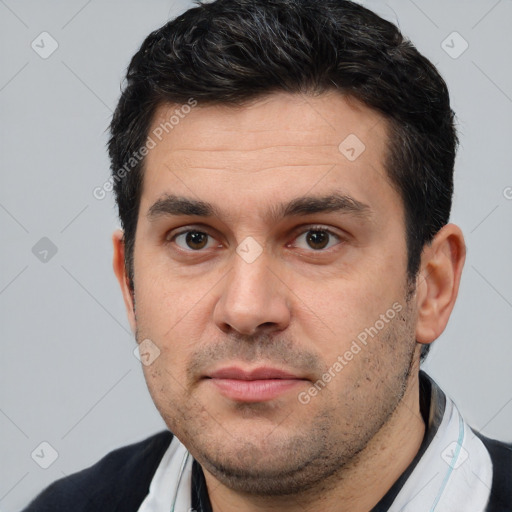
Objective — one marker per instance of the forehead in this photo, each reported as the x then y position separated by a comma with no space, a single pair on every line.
280,145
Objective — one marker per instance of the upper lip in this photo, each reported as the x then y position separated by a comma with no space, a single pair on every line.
260,373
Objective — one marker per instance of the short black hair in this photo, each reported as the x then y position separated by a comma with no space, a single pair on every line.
234,51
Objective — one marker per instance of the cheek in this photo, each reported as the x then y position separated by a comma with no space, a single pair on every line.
165,303
165,390
335,313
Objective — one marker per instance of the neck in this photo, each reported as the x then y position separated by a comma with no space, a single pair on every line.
358,486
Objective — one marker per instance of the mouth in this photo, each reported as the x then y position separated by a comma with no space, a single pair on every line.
257,385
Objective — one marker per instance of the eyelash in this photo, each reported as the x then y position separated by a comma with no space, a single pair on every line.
309,229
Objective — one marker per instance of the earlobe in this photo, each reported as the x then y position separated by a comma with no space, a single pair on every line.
438,282
118,263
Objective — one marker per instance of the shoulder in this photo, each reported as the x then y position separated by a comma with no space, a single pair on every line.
118,482
501,457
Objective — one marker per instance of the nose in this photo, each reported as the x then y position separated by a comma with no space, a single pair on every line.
253,299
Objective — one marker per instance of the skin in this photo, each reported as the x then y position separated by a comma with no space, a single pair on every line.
297,307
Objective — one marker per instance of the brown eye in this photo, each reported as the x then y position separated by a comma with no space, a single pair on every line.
317,239
195,240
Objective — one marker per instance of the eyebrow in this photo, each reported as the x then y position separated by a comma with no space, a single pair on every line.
172,205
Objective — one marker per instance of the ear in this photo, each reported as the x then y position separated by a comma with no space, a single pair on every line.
122,277
437,284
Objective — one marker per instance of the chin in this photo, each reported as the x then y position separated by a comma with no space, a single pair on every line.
267,464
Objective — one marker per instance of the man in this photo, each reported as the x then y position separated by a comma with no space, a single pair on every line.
284,172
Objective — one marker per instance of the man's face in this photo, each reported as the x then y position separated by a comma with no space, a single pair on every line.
260,296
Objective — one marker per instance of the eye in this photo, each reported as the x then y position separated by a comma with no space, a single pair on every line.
194,240
317,239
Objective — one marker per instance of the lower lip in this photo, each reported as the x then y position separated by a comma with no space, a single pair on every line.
254,390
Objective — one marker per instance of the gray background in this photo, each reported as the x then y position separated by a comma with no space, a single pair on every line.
68,374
